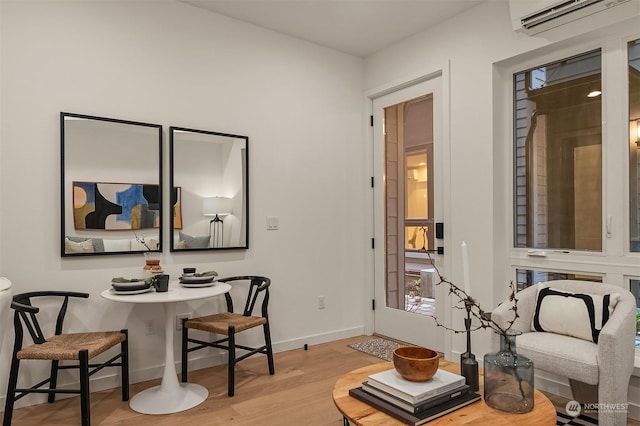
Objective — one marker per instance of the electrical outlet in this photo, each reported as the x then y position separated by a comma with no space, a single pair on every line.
179,318
322,302
149,327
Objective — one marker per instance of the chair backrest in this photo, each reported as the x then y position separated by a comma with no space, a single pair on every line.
577,286
527,298
257,285
5,304
25,313
625,306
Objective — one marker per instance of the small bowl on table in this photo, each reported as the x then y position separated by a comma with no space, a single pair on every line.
415,363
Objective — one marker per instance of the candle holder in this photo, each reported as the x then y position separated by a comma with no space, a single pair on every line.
468,363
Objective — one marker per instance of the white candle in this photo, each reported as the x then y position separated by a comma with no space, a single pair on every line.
465,269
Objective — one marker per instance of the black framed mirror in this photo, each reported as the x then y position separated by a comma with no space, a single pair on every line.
111,186
209,180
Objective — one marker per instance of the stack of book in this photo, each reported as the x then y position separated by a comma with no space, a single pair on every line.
415,403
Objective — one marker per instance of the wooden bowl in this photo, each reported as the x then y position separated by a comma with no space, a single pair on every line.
415,364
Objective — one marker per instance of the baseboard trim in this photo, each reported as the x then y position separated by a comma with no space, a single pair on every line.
207,360
316,339
553,384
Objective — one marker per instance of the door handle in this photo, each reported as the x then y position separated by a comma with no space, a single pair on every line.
439,250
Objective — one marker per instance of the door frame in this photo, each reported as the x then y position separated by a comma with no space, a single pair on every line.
441,71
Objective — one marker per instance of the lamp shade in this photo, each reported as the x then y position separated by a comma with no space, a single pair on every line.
212,206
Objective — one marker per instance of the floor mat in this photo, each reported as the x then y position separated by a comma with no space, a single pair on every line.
565,419
381,348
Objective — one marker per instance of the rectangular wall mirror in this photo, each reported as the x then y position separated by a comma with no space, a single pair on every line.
209,190
111,185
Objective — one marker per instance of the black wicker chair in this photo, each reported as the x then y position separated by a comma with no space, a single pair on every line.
229,324
75,349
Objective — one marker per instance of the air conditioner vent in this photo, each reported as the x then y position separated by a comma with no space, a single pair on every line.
535,16
555,12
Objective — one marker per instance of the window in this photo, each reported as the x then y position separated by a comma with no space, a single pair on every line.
635,289
558,141
529,277
634,165
418,169
575,204
409,188
417,218
634,144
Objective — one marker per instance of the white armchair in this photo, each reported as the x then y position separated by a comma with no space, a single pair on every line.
605,366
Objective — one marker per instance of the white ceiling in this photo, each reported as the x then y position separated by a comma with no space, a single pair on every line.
356,27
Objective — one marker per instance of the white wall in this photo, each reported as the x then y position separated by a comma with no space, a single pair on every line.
476,46
169,63
198,177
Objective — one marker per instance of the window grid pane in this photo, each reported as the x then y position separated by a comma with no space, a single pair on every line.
634,144
528,277
634,287
558,155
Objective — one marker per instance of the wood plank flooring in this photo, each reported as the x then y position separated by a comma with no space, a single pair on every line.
299,394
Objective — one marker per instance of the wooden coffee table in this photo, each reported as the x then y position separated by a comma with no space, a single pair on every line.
360,413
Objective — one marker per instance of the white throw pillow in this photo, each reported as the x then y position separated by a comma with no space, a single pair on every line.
85,246
117,245
580,315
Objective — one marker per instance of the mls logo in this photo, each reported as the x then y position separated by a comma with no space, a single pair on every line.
573,408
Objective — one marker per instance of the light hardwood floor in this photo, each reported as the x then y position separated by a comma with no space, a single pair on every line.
299,394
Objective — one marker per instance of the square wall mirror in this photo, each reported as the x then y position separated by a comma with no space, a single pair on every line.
209,190
111,186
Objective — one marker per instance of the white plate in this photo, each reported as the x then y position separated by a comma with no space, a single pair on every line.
188,285
132,281
197,280
138,285
130,292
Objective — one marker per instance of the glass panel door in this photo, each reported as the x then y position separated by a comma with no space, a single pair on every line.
406,129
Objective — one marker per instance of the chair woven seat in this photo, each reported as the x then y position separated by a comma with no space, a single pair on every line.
229,324
219,323
68,346
63,351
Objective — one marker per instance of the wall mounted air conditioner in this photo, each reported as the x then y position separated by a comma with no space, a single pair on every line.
535,16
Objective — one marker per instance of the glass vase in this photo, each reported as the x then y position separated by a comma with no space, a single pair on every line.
508,377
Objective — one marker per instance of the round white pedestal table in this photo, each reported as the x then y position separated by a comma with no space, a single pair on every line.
170,396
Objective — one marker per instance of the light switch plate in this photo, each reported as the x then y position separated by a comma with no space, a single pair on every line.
272,223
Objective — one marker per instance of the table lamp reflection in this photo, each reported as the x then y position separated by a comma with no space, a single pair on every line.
216,207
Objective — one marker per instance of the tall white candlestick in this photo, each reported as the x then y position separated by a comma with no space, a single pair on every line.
465,269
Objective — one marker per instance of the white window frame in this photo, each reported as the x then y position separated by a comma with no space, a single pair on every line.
615,263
